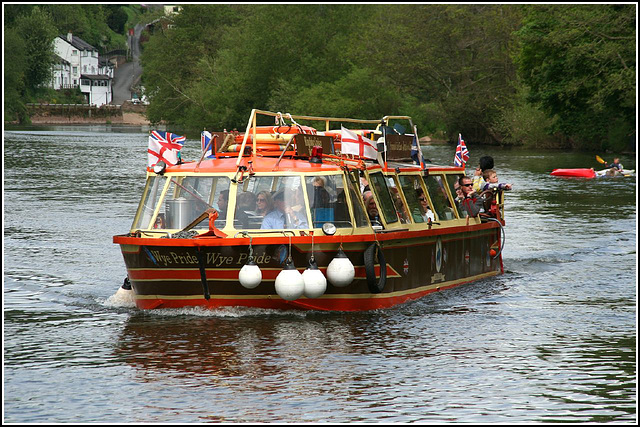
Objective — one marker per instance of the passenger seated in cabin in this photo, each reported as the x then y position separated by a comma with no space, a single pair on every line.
459,193
160,223
372,209
296,200
427,213
247,202
364,185
264,203
245,209
459,197
283,216
223,203
399,205
320,197
472,204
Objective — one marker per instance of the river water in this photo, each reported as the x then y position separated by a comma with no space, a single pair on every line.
551,340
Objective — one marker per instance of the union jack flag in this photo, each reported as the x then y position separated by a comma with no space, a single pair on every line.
164,146
462,154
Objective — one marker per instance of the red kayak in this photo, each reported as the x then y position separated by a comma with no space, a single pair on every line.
575,173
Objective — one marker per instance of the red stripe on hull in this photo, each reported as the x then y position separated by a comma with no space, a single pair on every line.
231,274
276,303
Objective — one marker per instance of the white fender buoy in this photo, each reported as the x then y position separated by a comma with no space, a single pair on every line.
124,296
315,284
250,275
340,271
289,283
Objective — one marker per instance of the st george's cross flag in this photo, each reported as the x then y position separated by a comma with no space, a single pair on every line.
164,146
357,145
462,154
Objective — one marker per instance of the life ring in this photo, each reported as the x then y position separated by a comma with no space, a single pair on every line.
284,129
268,138
276,134
259,147
376,285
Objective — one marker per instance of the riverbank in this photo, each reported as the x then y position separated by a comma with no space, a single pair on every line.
126,118
51,114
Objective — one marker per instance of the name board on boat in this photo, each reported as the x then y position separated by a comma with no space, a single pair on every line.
305,144
399,146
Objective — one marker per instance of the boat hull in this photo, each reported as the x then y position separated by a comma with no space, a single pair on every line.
575,173
167,273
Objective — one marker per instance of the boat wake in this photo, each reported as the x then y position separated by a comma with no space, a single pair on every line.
121,299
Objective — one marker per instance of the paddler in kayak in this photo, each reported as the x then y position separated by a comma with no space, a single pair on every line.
615,167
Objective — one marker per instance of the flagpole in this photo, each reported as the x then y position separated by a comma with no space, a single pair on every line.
213,137
415,132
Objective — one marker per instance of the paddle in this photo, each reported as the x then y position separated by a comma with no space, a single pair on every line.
599,159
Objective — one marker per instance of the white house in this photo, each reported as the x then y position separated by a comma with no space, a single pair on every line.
86,71
97,87
61,78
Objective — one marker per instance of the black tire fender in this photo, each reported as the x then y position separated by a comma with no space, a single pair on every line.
373,252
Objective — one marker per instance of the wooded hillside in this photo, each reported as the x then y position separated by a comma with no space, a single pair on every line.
536,75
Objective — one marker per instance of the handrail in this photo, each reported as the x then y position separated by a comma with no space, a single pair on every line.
251,125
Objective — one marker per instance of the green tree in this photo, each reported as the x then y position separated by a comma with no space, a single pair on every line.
579,62
14,48
456,58
178,61
38,31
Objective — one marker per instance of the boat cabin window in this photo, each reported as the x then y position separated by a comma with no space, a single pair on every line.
400,207
355,195
441,202
454,185
152,192
190,196
327,200
379,186
271,202
415,196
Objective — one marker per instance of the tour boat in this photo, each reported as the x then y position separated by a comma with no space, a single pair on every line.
200,239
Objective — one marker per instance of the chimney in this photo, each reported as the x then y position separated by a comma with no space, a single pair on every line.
69,37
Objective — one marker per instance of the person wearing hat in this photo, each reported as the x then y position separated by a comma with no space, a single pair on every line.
282,216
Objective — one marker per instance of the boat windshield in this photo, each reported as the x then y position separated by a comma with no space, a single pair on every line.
401,209
355,195
271,202
327,200
412,193
453,181
381,191
152,191
441,202
187,197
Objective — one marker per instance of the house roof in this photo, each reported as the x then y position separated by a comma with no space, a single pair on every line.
78,43
95,77
61,60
